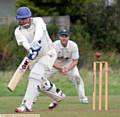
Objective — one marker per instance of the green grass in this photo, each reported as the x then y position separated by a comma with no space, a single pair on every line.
63,83
70,107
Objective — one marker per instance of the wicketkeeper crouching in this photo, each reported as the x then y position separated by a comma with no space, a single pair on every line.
33,36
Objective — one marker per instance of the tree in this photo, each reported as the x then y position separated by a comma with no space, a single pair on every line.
98,20
57,7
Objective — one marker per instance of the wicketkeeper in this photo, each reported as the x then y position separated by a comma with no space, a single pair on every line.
66,62
33,36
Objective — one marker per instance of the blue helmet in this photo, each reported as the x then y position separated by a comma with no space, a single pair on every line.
23,12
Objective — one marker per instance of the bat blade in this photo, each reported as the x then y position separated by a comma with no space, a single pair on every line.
18,74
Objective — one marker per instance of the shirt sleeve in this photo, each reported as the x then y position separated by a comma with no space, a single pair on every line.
40,27
21,40
75,52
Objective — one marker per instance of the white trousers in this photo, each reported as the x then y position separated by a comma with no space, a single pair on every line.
75,77
39,82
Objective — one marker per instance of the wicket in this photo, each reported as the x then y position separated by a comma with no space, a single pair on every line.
101,65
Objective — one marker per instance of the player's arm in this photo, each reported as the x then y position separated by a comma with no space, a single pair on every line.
32,48
65,70
40,27
75,57
72,64
35,46
21,40
58,67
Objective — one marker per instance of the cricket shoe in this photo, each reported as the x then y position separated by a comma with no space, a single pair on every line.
53,105
22,109
84,100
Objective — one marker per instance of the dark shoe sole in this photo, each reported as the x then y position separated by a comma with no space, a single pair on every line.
52,107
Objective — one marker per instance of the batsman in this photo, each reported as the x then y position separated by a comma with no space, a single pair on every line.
33,36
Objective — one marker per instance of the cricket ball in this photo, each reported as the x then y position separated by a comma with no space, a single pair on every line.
98,54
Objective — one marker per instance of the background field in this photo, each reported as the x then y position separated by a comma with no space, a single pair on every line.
63,82
70,106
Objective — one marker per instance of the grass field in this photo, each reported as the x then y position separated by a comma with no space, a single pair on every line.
63,83
70,107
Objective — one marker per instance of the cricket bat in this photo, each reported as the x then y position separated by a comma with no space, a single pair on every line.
18,74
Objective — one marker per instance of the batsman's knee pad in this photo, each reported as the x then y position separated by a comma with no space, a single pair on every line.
50,89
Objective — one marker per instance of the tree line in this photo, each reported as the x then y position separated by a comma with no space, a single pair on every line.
95,25
98,19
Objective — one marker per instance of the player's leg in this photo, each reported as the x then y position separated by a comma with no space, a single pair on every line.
53,92
81,91
31,93
75,77
40,72
49,75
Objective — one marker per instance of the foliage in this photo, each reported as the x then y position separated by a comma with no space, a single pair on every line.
52,30
81,37
100,20
14,54
102,27
94,27
10,54
55,7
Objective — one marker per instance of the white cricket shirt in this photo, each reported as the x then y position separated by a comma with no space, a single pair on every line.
37,31
66,54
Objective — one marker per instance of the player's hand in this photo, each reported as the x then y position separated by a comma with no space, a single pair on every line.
65,70
33,53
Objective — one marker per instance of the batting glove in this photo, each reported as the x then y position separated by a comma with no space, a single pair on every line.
34,50
33,53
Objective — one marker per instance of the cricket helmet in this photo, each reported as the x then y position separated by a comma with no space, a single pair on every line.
23,12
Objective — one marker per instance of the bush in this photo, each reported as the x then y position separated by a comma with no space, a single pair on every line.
10,54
